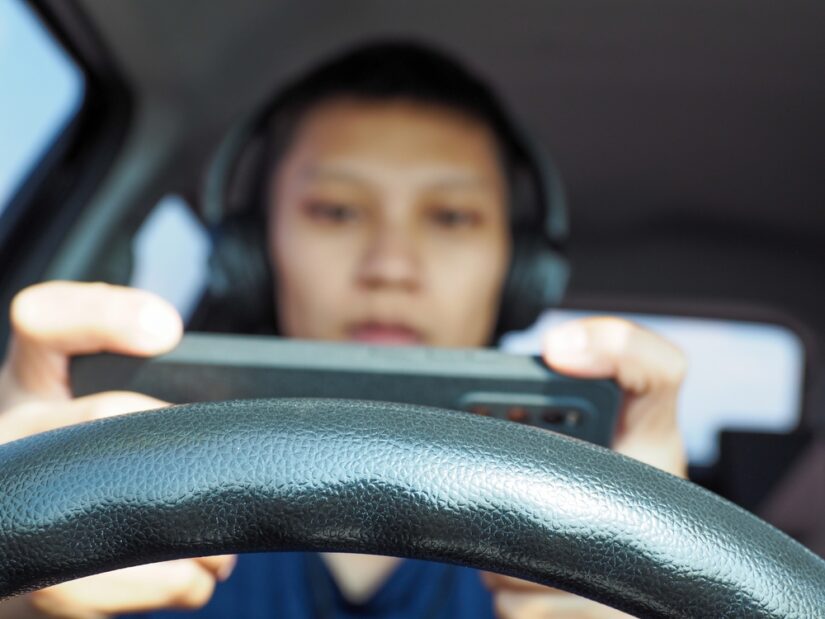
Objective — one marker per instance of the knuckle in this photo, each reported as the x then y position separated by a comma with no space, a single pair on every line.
535,606
196,595
673,367
42,597
112,403
501,611
679,367
665,364
187,585
55,602
129,402
25,409
619,334
180,575
104,405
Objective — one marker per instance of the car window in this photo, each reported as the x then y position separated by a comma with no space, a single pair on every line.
43,90
170,254
742,375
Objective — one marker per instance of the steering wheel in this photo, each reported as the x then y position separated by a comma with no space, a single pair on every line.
379,478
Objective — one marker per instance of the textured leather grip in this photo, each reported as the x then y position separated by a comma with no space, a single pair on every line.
389,479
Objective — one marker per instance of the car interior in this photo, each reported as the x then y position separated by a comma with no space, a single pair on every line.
690,137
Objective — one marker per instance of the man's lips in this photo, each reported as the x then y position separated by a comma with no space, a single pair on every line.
385,333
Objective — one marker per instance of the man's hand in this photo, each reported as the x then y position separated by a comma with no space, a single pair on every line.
520,599
650,371
185,584
50,323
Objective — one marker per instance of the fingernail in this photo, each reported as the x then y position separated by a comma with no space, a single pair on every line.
226,569
158,321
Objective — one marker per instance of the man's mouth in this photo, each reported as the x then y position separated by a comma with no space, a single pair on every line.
388,334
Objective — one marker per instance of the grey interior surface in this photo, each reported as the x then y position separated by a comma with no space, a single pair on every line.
691,134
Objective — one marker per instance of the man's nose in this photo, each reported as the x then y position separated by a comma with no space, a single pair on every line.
391,259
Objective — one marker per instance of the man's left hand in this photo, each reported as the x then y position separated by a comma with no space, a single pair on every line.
650,371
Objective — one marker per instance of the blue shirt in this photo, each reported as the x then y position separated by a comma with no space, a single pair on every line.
298,586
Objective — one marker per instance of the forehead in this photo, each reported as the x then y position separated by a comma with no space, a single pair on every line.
415,137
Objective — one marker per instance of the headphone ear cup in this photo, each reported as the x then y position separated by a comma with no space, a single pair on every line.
536,281
240,293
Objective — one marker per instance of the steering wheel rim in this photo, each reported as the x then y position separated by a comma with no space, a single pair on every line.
381,478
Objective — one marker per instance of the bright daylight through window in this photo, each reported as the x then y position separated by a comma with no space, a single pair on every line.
47,88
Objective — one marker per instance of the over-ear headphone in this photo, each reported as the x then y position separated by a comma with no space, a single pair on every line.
240,295
539,270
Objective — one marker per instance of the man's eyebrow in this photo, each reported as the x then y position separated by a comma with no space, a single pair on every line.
428,179
459,181
327,172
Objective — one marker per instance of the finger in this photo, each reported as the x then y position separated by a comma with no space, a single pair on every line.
648,368
113,403
220,566
495,581
54,320
35,417
81,318
551,605
638,359
182,584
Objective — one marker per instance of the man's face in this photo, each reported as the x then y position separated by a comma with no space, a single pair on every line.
389,225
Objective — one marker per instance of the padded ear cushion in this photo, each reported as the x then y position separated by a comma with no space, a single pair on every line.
539,270
536,280
240,294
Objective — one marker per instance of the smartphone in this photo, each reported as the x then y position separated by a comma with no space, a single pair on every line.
212,367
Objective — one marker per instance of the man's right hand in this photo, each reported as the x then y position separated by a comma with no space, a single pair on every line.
50,323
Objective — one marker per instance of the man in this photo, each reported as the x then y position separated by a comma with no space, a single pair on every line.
387,210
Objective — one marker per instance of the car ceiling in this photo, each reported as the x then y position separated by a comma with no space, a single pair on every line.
691,134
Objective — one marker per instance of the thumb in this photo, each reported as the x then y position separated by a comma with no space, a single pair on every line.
52,321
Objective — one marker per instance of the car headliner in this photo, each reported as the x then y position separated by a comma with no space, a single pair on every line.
691,134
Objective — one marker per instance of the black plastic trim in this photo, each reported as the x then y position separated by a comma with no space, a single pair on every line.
60,186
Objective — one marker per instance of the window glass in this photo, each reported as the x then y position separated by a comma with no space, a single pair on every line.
42,90
742,375
171,252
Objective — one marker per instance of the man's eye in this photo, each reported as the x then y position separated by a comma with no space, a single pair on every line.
332,212
455,218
